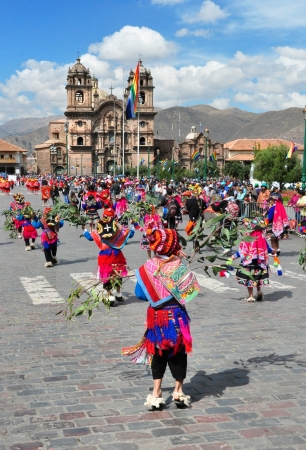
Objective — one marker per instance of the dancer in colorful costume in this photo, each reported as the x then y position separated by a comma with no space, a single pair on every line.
254,259
277,222
29,232
17,206
152,222
50,223
110,237
168,285
91,207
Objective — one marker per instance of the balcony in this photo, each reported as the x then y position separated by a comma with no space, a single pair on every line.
7,161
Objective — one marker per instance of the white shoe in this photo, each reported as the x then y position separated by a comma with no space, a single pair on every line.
49,264
28,248
154,402
19,236
111,300
33,245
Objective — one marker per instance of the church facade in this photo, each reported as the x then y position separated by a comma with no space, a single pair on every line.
96,138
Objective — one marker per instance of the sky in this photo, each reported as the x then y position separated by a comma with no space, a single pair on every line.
223,53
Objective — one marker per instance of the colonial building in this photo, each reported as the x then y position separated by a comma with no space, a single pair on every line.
12,159
96,137
197,141
244,149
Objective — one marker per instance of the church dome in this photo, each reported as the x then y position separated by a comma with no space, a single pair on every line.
78,68
192,134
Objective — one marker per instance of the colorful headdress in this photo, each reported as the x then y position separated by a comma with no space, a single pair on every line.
18,197
165,242
111,232
49,218
254,223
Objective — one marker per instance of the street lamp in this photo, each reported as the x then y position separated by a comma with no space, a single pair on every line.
66,131
157,164
304,154
206,133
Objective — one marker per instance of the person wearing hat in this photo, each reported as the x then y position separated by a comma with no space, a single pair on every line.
167,339
263,197
91,207
277,220
17,206
254,259
50,224
29,232
110,237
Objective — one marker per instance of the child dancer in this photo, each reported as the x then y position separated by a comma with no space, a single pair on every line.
254,259
110,237
152,221
167,339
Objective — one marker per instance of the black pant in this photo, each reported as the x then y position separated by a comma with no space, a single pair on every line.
27,241
50,253
177,365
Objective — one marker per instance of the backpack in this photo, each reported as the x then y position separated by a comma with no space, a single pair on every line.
172,208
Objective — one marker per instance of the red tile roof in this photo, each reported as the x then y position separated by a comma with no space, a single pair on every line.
8,147
249,144
242,157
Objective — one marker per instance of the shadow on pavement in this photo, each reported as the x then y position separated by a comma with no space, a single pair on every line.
274,359
277,295
64,262
203,384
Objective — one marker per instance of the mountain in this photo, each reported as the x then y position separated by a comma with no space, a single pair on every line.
175,123
27,132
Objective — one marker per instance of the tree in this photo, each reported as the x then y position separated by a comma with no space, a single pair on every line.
237,169
272,165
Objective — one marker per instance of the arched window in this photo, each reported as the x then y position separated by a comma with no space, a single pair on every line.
79,81
80,141
142,97
142,141
141,82
79,97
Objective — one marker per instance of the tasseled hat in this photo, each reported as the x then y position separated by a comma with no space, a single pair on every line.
165,242
254,223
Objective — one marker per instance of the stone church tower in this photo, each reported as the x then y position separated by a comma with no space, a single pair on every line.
95,133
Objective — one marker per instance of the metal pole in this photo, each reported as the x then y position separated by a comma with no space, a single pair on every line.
149,161
76,166
304,154
123,123
205,157
81,164
173,163
66,131
158,164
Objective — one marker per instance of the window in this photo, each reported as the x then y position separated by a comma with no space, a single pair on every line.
55,135
80,141
142,141
141,82
111,136
2,156
80,123
59,152
79,81
79,97
142,97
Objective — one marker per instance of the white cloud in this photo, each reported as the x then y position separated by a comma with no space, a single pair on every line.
167,2
197,33
127,44
208,13
221,103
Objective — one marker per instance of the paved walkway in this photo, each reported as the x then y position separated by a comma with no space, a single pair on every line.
66,385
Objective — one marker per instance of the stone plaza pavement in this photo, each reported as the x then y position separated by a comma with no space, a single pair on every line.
66,385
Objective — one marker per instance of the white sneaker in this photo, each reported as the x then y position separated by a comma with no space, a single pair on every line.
49,264
111,300
19,236
28,248
33,245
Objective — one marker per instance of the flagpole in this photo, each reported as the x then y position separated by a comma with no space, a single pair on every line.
123,122
138,132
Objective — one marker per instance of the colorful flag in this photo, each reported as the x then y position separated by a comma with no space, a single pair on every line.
213,156
292,149
195,155
151,162
132,102
142,161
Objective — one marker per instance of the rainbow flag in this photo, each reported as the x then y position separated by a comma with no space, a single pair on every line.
195,155
213,156
292,149
131,106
